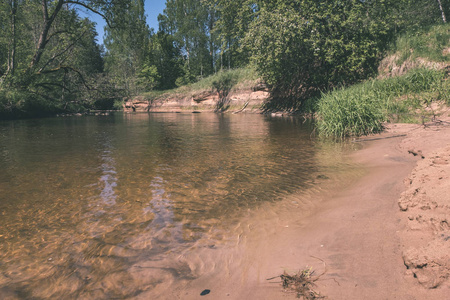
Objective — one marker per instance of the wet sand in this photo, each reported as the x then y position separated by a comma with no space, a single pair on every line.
374,237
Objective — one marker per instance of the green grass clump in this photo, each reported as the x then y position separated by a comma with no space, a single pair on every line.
353,111
362,108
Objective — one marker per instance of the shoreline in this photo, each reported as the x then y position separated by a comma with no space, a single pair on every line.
357,236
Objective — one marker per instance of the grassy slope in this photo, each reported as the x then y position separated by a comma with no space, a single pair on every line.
412,78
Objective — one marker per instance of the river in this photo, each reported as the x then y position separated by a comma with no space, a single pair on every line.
88,202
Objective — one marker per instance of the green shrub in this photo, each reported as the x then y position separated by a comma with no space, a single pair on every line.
223,85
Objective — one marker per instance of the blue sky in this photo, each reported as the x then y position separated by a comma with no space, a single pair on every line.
152,9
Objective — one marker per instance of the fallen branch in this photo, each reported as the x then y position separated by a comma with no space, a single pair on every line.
242,109
381,138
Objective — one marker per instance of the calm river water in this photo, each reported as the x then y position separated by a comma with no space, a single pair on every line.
87,201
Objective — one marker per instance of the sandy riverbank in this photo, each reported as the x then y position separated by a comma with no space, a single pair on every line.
382,236
388,237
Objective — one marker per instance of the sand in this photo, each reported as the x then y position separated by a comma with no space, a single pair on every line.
385,235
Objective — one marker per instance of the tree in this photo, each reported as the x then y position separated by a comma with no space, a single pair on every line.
127,46
148,77
302,47
51,53
444,19
166,56
190,22
233,18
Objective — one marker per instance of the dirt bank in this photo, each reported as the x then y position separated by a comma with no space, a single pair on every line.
239,100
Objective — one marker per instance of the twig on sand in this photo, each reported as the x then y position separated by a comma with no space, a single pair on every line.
302,282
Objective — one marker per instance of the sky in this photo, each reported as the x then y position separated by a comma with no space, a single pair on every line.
152,9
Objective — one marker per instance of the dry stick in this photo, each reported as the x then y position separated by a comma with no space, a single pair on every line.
324,265
381,138
437,121
245,105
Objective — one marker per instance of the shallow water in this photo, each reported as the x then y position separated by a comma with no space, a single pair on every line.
86,202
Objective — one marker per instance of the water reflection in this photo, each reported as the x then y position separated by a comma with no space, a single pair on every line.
101,207
108,179
160,205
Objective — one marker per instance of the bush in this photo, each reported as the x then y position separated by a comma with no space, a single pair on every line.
223,84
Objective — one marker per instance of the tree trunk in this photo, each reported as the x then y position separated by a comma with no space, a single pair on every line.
442,11
48,21
13,43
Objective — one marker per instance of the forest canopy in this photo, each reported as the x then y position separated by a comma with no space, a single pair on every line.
52,61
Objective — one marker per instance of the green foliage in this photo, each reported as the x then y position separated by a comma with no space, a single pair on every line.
223,84
362,108
416,15
49,59
428,43
190,23
165,55
186,78
303,47
232,23
241,77
127,46
148,77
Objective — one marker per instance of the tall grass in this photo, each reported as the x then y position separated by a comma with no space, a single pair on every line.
362,109
351,111
428,43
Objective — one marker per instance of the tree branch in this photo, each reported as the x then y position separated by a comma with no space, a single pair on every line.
69,47
65,68
48,21
44,84
92,10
